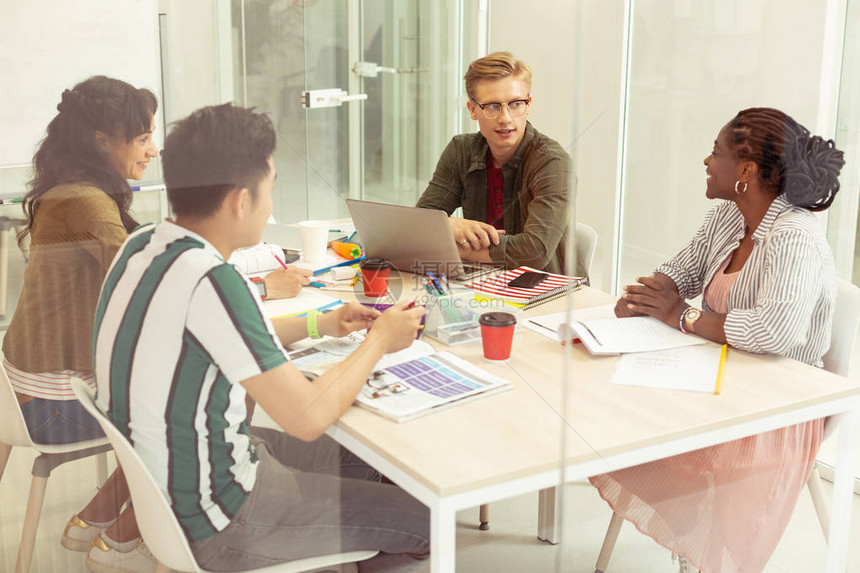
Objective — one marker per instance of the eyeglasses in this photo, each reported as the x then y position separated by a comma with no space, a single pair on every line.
515,107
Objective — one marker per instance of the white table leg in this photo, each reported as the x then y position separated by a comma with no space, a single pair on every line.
843,490
546,515
443,539
4,270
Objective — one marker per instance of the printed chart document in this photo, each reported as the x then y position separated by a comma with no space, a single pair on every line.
416,387
692,368
620,335
405,384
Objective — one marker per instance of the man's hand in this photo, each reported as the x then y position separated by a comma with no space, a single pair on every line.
286,283
655,297
396,328
346,319
473,235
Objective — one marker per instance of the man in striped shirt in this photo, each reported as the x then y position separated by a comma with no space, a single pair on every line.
182,342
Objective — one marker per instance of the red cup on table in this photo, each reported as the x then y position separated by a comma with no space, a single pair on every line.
497,334
374,276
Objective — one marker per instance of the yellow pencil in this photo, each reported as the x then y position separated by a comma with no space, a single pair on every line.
720,369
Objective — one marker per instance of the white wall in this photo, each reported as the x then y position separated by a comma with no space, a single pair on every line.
46,47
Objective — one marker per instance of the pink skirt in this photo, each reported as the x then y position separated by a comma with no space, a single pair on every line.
724,508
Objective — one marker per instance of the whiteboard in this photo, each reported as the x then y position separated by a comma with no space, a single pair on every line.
47,46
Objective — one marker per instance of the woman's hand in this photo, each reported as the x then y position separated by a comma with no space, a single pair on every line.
653,296
348,318
621,309
286,283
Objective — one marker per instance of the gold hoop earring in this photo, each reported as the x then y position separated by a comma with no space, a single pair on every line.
738,191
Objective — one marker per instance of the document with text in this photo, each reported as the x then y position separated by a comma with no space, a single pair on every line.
693,368
621,335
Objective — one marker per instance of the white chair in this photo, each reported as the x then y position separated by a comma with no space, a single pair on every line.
158,524
14,433
843,335
586,244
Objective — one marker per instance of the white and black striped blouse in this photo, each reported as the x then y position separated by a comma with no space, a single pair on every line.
782,301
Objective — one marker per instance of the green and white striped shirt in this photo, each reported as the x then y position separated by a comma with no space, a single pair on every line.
176,330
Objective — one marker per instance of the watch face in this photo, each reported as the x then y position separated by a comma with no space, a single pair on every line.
261,288
690,318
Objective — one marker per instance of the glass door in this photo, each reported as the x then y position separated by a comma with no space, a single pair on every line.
363,94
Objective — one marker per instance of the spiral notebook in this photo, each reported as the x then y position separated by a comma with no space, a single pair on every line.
552,287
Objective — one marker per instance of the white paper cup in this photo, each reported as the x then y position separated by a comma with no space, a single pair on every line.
314,240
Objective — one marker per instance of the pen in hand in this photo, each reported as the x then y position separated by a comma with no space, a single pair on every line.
280,260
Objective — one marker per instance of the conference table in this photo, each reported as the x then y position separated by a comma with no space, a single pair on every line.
546,432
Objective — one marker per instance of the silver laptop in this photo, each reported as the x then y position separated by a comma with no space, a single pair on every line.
415,240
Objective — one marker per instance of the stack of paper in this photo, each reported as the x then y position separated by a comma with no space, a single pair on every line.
695,368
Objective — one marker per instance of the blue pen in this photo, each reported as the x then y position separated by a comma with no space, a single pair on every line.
447,284
435,283
316,285
349,263
349,239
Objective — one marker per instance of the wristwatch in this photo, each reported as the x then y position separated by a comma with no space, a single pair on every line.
688,319
261,287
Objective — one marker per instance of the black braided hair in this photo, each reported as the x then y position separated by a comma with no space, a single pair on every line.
804,167
69,154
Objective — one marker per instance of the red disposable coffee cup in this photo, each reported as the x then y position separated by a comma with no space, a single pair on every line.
497,334
374,276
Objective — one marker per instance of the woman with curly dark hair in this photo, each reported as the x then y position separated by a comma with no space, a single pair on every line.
78,215
766,273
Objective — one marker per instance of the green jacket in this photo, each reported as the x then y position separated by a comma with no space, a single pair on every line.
539,197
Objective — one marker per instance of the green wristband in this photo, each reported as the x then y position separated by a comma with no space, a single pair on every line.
313,328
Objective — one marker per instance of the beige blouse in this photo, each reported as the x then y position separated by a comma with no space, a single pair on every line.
76,233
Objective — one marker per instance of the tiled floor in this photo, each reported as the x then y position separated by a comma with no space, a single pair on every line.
509,546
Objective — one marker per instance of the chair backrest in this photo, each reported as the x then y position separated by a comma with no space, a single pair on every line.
155,518
586,243
843,335
13,429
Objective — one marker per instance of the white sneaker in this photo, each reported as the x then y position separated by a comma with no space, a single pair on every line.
683,565
102,558
78,534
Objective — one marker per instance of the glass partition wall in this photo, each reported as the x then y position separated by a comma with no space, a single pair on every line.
400,56
685,69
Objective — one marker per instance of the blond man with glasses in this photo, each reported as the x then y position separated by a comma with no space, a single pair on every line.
516,186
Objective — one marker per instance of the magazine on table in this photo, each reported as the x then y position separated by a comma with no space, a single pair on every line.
407,384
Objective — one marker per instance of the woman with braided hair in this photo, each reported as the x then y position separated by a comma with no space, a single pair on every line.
78,216
766,273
